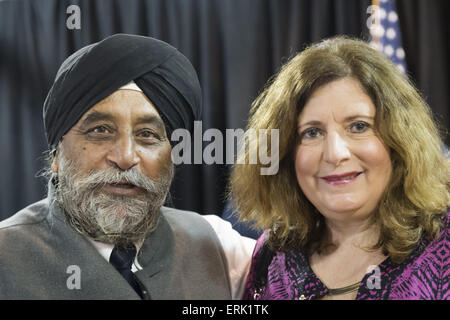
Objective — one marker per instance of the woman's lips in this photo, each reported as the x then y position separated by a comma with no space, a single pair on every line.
341,179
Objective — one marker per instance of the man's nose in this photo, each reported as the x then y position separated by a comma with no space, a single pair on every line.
336,149
123,153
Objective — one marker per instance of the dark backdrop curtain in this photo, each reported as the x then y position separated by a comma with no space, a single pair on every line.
235,46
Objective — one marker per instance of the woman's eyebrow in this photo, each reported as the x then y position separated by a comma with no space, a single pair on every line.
310,123
351,118
347,119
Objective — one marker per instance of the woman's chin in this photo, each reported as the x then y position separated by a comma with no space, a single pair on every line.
341,205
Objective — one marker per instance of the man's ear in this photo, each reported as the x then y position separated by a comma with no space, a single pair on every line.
55,163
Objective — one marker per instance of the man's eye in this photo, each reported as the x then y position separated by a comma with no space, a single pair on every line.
148,134
99,130
359,127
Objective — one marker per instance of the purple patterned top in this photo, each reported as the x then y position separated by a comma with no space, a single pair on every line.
423,275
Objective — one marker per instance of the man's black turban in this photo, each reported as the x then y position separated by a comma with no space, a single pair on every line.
92,73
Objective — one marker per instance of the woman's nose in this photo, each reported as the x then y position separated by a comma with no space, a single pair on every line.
336,150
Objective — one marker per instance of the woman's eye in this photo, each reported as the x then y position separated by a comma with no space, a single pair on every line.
311,133
359,127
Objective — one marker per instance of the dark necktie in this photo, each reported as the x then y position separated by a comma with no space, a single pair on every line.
122,259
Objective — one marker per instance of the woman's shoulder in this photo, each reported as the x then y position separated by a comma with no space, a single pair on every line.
444,236
263,254
259,256
437,251
271,272
426,268
261,259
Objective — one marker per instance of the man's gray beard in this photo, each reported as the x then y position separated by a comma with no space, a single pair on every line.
110,218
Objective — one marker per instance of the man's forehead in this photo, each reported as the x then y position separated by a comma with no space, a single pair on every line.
123,105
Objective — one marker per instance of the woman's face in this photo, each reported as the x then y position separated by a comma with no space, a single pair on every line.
341,165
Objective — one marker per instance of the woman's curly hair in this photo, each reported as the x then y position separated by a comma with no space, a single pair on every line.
417,195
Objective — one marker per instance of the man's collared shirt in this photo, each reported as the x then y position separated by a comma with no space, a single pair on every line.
238,251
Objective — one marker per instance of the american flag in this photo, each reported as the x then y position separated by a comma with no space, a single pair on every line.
385,32
386,37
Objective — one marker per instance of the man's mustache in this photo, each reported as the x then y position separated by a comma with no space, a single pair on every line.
99,178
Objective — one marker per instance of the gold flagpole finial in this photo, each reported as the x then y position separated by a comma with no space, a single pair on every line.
375,22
